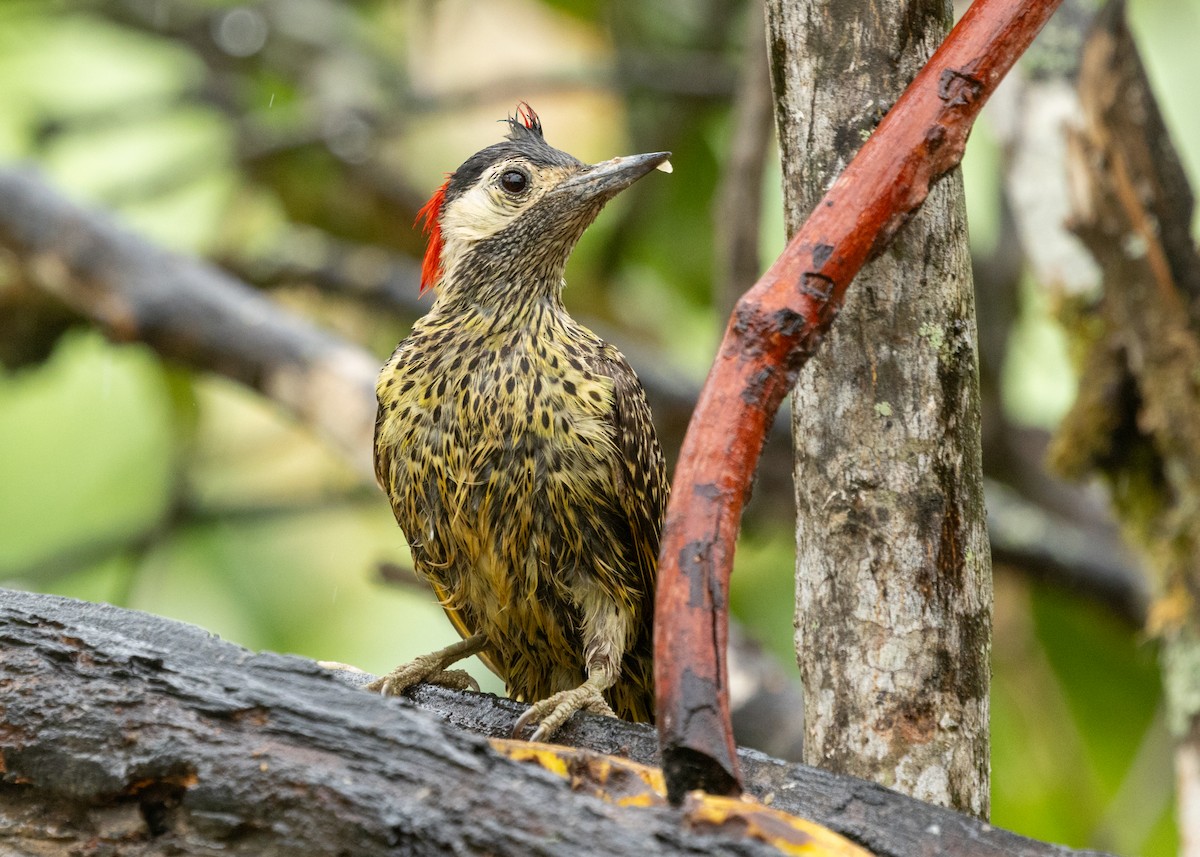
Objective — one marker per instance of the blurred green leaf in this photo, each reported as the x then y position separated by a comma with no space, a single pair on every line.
85,448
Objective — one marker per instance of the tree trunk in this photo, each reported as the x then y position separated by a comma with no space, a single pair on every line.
893,603
1136,418
1104,207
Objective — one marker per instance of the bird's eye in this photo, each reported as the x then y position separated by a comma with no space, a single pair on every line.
513,181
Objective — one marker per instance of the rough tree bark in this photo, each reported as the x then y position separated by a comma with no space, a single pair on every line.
127,735
893,603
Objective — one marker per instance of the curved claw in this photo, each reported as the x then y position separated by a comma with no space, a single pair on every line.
529,715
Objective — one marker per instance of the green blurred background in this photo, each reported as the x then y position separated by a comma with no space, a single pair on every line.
252,133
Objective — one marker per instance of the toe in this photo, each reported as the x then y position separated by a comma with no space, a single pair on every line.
454,679
383,686
599,705
552,721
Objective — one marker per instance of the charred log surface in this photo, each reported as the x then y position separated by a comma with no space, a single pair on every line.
123,733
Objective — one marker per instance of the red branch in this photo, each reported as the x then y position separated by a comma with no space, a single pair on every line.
774,329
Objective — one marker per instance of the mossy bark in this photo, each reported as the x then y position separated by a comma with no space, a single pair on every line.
1136,420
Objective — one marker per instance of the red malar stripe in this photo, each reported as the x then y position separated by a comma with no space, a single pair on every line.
431,213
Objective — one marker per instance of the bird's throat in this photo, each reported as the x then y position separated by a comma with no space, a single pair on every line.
516,296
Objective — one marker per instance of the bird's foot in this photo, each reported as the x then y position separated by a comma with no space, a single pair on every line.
553,711
419,671
431,669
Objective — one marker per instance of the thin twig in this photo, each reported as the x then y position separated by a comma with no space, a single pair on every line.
738,208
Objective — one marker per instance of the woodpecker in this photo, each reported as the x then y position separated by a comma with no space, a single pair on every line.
516,446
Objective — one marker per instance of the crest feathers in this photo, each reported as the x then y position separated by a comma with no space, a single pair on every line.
525,123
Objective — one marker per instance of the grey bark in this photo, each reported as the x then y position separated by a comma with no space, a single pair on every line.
893,596
127,735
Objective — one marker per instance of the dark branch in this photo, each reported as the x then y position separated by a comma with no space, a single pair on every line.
1060,553
148,736
737,210
190,312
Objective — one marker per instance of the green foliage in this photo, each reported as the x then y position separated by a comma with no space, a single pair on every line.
86,451
1075,701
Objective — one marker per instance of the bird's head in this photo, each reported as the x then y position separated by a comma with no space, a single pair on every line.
509,217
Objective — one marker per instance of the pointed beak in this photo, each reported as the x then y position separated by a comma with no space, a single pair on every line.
603,181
